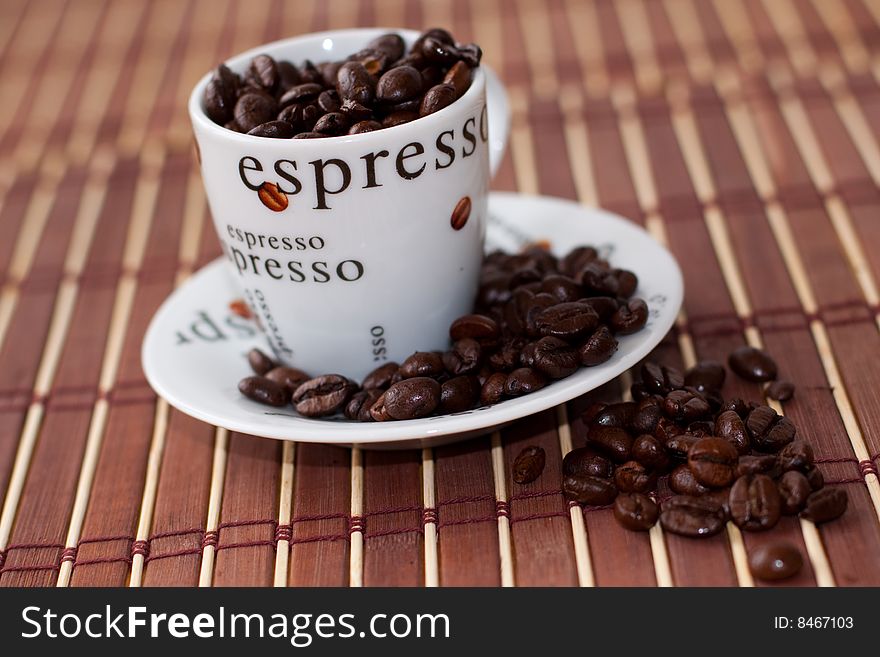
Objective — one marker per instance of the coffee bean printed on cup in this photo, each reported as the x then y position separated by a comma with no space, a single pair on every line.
461,213
272,197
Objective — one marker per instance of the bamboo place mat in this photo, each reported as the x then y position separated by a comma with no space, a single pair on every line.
745,135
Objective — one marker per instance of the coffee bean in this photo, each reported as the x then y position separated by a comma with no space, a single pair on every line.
635,511
390,44
679,445
755,464
479,327
323,395
288,75
436,98
583,461
814,476
328,101
630,318
364,126
775,561
264,391
492,391
260,363
463,358
615,443
633,477
824,505
555,358
729,426
605,307
589,490
536,306
381,377
412,398
399,118
619,414
648,451
301,116
780,390
598,281
263,72
752,364
713,462
332,124
509,355
683,482
528,465
398,85
646,416
769,432
738,406
358,407
273,129
685,406
460,213
522,381
705,375
459,76
695,517
354,82
598,348
568,321
378,411
797,455
253,109
661,379
562,287
289,377
460,393
794,489
754,502
422,363
220,95
272,197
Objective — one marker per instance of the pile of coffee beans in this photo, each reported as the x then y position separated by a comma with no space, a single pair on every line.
537,318
378,87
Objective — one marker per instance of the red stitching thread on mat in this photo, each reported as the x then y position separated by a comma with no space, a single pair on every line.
533,494
355,524
33,546
463,500
398,509
2,558
69,554
429,516
210,539
140,547
320,516
316,539
283,533
245,544
246,523
502,509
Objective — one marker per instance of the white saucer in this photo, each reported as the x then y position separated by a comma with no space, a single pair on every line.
194,350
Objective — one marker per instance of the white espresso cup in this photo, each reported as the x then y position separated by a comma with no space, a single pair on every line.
360,249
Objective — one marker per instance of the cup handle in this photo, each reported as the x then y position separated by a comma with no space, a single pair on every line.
498,108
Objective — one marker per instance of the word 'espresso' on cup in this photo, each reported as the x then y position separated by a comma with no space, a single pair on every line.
334,175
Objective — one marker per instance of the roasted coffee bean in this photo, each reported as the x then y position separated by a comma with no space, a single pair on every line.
648,451
253,109
264,391
355,111
328,101
378,411
463,358
598,348
729,425
399,118
661,379
780,390
509,356
593,411
391,44
633,477
436,98
595,491
263,73
479,327
713,462
597,281
528,465
605,307
288,75
775,561
460,213
289,377
635,511
492,391
694,517
824,505
260,363
627,282
685,406
679,445
273,129
301,116
619,414
615,443
646,416
814,476
522,381
354,82
769,432
272,197
568,321
412,398
683,482
308,72
332,124
797,455
754,502
537,305
756,464
422,363
794,489
398,85
301,94
630,318
220,95
358,407
364,126
738,406
584,462
752,364
459,76
323,395
230,125
705,375
460,393
721,496
555,358
381,377
562,287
